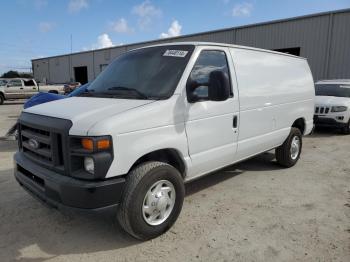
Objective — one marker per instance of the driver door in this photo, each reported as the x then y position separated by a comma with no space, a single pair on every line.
212,126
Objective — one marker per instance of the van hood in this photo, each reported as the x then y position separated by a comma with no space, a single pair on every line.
85,111
332,100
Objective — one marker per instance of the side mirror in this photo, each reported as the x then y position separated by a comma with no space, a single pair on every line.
219,86
216,89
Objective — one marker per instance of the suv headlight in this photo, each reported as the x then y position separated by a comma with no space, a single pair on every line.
339,108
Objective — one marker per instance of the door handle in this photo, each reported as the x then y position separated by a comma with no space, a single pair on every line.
21,88
235,122
34,88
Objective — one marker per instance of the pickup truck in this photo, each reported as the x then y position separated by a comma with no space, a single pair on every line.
158,117
17,88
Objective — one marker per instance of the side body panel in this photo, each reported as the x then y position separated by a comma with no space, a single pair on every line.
144,129
275,90
14,89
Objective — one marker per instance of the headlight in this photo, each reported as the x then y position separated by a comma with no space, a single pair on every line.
89,165
339,108
90,157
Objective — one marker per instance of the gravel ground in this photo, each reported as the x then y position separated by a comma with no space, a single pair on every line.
252,211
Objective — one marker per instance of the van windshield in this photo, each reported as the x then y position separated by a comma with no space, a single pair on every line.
338,90
148,73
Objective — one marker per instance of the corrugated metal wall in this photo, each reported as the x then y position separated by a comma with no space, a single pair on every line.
323,39
339,59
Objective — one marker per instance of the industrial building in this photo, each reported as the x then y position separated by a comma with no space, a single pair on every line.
323,38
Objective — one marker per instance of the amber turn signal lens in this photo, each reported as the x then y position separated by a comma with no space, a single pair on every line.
103,144
87,143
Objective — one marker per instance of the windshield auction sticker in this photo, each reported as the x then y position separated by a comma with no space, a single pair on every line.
175,53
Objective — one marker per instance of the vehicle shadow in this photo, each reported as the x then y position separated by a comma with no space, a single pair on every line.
325,132
57,232
14,102
26,223
262,162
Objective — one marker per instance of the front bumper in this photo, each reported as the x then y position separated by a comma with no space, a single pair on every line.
327,121
66,192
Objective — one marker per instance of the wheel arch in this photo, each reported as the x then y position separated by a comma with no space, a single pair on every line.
170,156
300,123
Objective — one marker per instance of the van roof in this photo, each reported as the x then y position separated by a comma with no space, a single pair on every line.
334,81
223,45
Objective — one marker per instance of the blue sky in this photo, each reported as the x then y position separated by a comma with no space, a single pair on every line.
38,28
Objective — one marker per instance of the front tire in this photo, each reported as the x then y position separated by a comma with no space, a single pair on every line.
346,130
152,200
288,153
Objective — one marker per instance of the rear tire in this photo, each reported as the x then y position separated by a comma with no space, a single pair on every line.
2,99
137,215
288,153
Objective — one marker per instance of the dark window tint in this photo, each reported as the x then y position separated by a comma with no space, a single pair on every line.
29,82
207,62
333,90
148,73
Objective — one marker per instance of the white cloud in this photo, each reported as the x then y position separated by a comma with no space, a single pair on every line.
103,41
45,27
243,9
121,26
75,6
146,11
174,30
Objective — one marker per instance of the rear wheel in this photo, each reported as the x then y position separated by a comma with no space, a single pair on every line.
289,152
152,200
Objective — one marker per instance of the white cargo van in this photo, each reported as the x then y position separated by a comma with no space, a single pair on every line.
158,117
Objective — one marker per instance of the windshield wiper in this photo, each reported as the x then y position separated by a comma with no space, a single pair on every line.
135,91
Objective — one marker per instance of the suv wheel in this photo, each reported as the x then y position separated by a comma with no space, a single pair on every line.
152,200
2,99
288,153
346,130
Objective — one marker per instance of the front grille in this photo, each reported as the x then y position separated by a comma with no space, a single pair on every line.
322,110
44,140
41,145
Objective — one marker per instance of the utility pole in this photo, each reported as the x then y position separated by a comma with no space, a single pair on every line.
70,58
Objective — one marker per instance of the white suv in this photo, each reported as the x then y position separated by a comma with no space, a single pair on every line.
332,104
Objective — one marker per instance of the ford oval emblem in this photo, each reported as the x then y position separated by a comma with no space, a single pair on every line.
33,143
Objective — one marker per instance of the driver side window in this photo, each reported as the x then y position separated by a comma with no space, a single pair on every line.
207,62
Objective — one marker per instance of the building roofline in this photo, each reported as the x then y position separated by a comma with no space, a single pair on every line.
205,32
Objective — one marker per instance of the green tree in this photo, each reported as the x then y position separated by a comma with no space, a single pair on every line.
14,74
